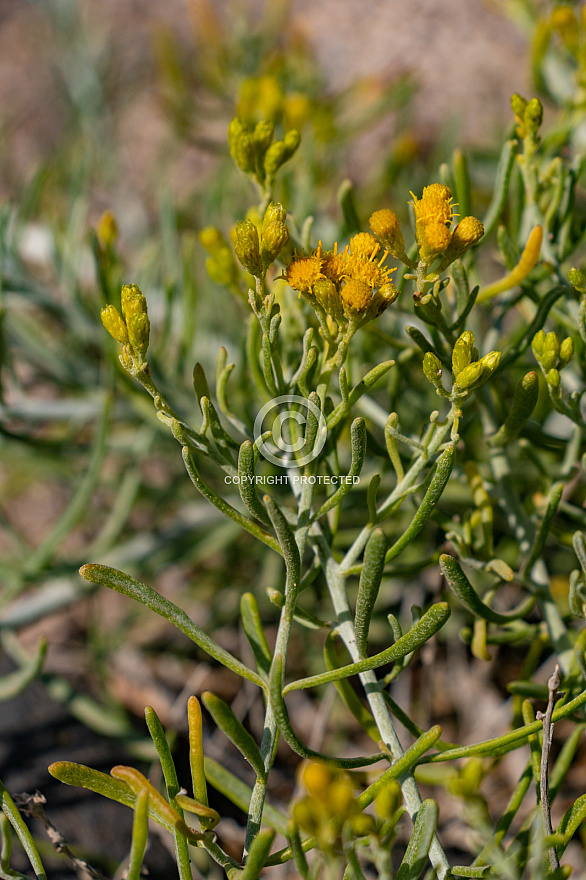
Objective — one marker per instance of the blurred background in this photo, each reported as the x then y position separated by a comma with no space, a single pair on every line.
113,157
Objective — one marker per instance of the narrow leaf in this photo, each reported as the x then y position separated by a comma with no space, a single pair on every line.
424,629
417,853
231,727
123,583
368,587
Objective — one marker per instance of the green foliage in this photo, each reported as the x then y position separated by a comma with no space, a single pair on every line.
443,490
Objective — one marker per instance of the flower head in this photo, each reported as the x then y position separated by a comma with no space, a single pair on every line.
304,272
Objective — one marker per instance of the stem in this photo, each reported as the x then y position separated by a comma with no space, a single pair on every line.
552,685
373,688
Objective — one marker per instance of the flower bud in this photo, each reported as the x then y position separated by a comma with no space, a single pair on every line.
274,238
518,106
316,778
382,299
241,145
328,298
291,141
112,321
553,379
247,247
538,343
489,363
139,331
566,352
551,351
470,376
577,279
534,115
263,136
275,213
107,230
467,233
133,301
433,238
385,225
462,353
274,158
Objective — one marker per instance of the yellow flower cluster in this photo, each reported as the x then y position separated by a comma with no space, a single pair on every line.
132,327
330,803
349,285
434,213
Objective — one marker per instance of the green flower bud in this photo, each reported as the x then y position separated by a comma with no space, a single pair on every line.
133,301
566,352
462,353
534,115
470,376
263,135
291,141
275,213
551,351
489,363
328,298
382,299
241,144
274,158
112,321
538,343
578,280
247,247
139,331
553,379
274,238
518,106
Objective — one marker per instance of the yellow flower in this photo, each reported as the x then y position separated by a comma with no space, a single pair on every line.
437,191
356,295
364,246
385,226
432,209
369,272
303,272
469,231
433,238
335,265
